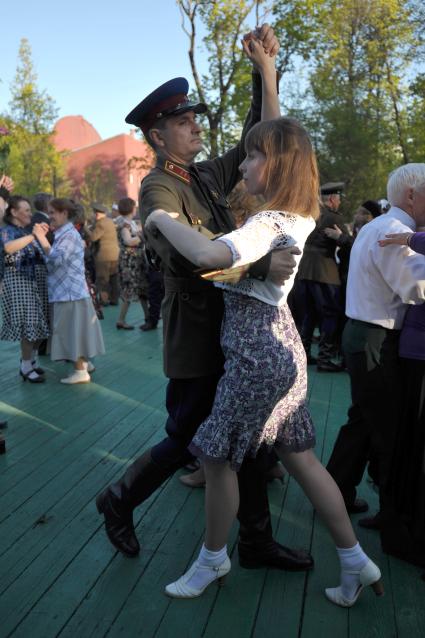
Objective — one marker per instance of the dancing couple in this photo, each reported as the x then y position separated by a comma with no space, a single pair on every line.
260,399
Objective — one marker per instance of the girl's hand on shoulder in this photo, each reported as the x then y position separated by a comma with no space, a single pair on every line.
401,239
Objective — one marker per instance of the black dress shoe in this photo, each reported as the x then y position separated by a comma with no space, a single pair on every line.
329,366
148,326
118,523
371,522
359,506
274,554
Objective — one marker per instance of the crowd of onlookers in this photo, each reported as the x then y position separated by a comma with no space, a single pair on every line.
59,269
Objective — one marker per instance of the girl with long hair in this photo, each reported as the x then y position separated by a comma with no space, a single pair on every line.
261,397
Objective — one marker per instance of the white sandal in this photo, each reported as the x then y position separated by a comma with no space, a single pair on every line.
370,574
180,588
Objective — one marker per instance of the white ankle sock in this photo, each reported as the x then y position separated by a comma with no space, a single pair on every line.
26,366
212,559
207,558
352,559
34,358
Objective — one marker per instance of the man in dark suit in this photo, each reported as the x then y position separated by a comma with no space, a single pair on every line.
318,284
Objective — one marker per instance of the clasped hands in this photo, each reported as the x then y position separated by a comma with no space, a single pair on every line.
40,230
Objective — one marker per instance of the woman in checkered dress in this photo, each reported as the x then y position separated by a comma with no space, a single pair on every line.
24,291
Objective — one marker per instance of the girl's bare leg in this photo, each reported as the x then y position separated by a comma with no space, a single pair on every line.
221,503
323,493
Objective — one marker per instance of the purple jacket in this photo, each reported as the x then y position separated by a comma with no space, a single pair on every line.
412,338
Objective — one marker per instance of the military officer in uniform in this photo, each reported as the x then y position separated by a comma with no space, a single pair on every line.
192,312
317,292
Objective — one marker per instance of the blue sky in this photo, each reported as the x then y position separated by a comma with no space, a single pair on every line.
96,59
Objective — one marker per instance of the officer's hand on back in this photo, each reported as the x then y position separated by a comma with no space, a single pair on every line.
283,264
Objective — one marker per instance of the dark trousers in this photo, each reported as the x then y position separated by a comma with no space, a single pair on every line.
319,305
189,402
155,294
372,360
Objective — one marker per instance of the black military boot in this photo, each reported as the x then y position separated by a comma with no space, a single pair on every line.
326,352
119,499
257,547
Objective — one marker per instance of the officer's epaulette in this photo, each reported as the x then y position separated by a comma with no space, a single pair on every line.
177,171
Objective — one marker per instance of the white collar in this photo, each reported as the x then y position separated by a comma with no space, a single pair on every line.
402,216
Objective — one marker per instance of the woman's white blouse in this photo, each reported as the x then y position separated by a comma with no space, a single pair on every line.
266,231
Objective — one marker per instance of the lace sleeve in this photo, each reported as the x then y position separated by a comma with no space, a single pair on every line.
260,234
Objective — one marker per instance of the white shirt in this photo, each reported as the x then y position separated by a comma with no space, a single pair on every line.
381,281
262,233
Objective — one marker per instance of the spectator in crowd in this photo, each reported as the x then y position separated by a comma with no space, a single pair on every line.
380,285
106,254
76,332
90,272
23,298
132,264
344,242
40,216
403,529
317,292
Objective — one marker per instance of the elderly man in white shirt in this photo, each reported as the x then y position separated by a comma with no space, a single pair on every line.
380,286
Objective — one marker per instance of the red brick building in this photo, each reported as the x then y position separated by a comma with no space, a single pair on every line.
126,156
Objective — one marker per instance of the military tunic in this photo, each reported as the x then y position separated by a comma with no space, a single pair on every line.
318,260
192,308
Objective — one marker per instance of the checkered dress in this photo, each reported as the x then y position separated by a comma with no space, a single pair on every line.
23,297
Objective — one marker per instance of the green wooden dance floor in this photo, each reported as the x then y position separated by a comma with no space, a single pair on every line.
59,576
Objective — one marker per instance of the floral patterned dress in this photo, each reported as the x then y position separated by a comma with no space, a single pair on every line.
262,396
132,266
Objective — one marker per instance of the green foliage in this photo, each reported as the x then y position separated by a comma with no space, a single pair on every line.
361,101
31,158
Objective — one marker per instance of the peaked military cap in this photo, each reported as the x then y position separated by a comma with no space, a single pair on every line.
332,188
168,99
100,208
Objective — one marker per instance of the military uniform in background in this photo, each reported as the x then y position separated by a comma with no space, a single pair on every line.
318,287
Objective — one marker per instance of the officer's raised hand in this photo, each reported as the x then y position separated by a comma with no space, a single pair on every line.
282,264
266,35
255,51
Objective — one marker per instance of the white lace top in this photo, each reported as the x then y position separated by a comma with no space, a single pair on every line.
265,231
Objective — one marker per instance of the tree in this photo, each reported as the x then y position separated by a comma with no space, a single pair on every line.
225,88
99,184
360,107
32,160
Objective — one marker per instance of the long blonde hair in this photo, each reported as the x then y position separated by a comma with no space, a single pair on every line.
292,176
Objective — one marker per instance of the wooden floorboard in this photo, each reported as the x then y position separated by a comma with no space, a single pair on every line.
59,576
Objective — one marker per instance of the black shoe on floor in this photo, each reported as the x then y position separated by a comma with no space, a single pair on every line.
3,425
329,366
359,506
311,361
148,326
371,522
274,554
118,523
